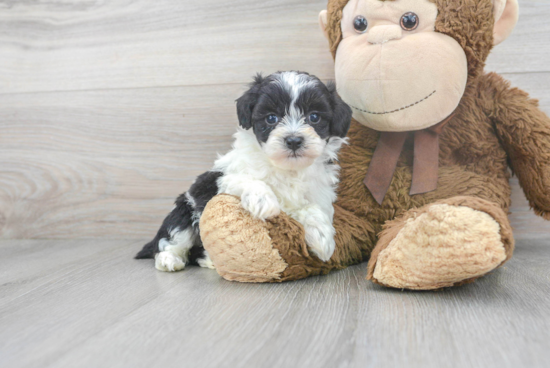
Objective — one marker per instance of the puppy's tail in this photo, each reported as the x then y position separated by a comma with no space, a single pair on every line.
148,250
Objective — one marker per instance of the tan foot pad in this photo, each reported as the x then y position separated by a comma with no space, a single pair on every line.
439,248
239,245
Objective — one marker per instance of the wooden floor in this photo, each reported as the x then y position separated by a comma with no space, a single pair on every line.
110,108
85,303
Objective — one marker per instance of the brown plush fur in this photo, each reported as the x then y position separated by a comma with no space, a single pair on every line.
236,242
495,127
288,238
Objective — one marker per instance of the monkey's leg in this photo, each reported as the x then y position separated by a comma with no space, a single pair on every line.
249,250
445,243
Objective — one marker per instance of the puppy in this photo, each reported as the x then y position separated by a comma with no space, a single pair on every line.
283,159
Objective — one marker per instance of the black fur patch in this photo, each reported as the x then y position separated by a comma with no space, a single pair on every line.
270,95
272,100
341,113
182,216
317,99
196,253
204,189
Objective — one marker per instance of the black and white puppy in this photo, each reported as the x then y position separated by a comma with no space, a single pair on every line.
283,159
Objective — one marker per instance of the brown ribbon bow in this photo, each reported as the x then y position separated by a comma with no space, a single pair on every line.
386,155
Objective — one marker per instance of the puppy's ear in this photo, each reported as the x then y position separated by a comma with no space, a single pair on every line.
341,115
246,103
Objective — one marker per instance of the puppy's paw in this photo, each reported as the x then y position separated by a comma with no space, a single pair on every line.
320,239
261,204
169,262
206,261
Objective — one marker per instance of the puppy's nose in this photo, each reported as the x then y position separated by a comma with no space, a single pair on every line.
294,142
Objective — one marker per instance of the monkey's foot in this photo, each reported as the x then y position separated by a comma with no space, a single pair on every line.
447,243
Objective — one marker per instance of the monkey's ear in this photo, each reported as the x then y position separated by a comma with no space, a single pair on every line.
506,17
341,115
323,22
246,103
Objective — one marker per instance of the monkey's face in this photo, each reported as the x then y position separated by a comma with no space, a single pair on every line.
392,67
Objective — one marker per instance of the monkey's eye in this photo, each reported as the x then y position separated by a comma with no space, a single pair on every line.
409,21
314,118
272,119
360,24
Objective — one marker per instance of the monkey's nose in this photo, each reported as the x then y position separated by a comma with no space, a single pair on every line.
294,143
383,34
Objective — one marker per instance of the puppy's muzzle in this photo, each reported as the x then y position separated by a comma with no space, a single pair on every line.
294,143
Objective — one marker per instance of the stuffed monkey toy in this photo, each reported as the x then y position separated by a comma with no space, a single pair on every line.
424,191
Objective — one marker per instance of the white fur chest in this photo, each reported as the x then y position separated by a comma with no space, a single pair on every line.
246,165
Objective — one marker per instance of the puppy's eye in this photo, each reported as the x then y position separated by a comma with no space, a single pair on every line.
409,21
314,118
360,24
272,119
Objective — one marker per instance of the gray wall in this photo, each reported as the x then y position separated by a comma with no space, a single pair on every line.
109,109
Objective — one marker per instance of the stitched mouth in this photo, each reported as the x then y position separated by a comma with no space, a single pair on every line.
396,110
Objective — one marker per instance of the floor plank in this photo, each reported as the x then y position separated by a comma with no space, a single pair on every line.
88,304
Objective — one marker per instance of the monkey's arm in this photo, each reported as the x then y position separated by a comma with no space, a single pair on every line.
525,134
